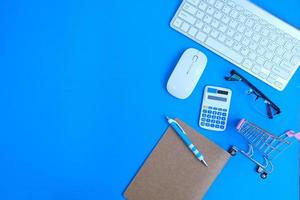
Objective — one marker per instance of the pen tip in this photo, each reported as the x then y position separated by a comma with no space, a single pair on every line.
205,163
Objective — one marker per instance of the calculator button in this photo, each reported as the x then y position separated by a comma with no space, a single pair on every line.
215,108
219,109
207,124
209,107
218,122
204,111
209,112
213,121
207,120
203,119
223,118
217,126
218,117
203,115
208,116
219,113
214,117
223,122
202,123
224,110
214,112
224,114
222,127
212,125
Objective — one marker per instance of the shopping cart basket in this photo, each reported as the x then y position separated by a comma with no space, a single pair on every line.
264,144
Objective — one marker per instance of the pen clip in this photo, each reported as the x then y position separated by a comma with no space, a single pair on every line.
179,126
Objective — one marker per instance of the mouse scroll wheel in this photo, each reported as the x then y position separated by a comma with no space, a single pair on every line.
195,58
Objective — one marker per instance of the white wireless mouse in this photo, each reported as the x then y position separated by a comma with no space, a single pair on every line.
187,73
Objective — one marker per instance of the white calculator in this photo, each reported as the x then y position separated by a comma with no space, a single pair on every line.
215,108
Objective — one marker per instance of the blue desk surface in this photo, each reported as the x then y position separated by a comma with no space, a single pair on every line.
83,98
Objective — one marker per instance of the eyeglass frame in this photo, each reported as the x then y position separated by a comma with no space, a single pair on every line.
256,92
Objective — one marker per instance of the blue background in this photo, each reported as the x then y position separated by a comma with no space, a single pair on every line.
83,95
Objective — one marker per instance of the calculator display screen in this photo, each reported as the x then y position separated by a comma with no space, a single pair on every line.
217,98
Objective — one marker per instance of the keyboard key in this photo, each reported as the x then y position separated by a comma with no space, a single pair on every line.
222,38
185,27
237,46
218,15
207,19
187,17
215,23
189,8
194,2
248,64
224,50
199,24
215,33
233,24
210,10
192,31
206,29
249,23
201,36
211,2
226,9
202,5
200,14
219,5
177,22
229,42
241,28
225,19
281,72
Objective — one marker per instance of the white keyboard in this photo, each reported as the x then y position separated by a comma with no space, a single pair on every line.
243,34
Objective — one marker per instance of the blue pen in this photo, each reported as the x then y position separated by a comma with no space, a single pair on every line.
178,129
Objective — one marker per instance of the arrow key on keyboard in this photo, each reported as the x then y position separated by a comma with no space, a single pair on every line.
281,72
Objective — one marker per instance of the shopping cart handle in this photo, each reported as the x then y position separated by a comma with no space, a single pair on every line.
293,134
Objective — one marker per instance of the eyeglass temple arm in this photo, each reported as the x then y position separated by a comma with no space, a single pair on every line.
241,78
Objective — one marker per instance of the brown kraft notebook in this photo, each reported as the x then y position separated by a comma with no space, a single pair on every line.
172,172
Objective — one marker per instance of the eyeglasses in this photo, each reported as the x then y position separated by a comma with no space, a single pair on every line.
270,108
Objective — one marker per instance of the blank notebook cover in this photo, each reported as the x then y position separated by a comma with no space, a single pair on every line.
172,172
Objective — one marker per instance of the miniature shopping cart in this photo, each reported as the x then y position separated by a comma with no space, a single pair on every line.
263,144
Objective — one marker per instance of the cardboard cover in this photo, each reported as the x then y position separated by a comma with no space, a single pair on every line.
173,172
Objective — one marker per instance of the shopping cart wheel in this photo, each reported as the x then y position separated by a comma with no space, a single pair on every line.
259,169
264,175
232,151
